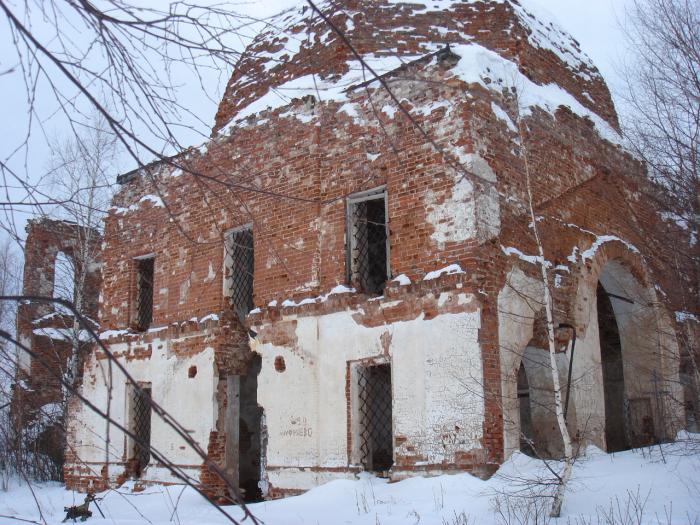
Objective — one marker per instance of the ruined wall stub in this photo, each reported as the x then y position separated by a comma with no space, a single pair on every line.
50,331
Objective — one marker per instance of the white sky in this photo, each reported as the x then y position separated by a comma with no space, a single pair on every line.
594,23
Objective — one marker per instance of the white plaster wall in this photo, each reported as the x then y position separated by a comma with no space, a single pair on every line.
191,401
468,211
453,216
438,379
436,383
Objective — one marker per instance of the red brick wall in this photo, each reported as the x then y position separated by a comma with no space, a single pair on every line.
45,239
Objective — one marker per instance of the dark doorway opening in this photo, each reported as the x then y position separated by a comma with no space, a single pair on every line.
141,427
375,412
613,374
250,434
526,430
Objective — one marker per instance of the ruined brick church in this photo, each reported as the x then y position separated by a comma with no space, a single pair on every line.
345,277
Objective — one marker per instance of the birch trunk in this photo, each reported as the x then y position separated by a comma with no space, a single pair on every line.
559,407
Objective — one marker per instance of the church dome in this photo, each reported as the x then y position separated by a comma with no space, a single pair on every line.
298,53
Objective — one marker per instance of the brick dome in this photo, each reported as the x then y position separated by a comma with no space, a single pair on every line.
299,53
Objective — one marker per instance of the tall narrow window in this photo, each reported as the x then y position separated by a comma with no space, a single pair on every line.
64,278
141,428
367,257
241,257
144,293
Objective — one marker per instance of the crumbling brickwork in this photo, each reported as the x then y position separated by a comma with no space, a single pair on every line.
450,164
49,330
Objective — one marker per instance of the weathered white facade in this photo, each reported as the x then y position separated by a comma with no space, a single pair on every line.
437,396
189,400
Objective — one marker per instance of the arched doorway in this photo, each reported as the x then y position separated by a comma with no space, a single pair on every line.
529,416
625,369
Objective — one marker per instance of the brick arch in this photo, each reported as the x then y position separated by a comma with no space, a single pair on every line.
647,344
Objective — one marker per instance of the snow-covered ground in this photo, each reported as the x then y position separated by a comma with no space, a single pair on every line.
655,486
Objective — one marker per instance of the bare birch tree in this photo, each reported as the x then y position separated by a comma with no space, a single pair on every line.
663,92
569,454
82,173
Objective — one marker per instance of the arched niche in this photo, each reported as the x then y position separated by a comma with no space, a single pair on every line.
538,427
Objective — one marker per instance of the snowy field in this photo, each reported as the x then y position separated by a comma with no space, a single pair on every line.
646,486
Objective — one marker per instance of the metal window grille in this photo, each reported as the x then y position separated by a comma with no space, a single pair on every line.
242,266
376,432
141,427
144,293
368,255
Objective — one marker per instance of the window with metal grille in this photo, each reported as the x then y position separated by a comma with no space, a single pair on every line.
374,410
144,293
241,257
367,258
141,427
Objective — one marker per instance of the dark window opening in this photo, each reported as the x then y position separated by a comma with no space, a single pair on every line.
141,428
144,293
375,413
526,429
616,438
367,258
242,265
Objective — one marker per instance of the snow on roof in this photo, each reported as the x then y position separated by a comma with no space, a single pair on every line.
478,65
288,62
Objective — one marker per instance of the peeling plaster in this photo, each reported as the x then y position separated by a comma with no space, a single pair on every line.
436,377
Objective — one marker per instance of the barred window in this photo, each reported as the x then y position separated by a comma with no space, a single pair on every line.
241,259
141,427
367,255
144,293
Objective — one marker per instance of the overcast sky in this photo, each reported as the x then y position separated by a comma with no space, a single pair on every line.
594,23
